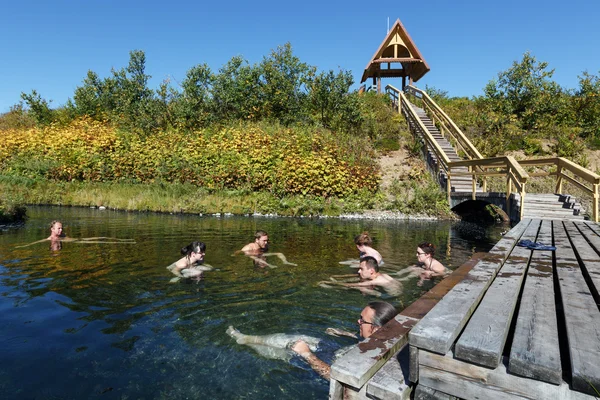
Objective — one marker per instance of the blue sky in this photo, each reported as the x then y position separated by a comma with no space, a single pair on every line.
50,45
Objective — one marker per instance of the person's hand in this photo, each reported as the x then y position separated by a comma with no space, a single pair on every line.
301,348
339,332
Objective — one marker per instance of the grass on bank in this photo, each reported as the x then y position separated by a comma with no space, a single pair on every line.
188,198
12,209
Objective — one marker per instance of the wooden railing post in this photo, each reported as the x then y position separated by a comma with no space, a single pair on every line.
508,191
595,205
474,185
521,208
448,185
558,179
484,184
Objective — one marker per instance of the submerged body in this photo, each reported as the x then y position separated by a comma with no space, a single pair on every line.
276,345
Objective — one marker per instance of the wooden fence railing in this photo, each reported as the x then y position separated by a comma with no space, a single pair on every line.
480,168
447,127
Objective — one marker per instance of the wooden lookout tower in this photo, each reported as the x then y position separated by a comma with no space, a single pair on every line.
396,57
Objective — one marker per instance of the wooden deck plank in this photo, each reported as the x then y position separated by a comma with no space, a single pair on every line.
483,339
423,392
590,257
360,363
468,381
587,254
386,384
440,327
535,349
593,227
582,316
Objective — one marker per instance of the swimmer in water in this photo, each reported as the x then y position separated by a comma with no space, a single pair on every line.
190,266
257,251
57,237
427,266
363,243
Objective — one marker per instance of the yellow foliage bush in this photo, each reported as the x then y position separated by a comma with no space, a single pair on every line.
245,156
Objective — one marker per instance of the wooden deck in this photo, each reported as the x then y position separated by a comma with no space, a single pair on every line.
376,367
522,324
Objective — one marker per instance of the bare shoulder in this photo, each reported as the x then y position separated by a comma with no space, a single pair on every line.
438,267
250,247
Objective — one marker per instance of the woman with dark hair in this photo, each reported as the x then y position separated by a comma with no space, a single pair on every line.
190,265
431,266
427,267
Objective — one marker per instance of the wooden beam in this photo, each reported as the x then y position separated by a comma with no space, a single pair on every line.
582,317
535,350
397,60
458,378
484,337
438,330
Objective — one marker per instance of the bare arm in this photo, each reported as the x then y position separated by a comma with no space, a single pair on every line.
318,365
281,256
27,245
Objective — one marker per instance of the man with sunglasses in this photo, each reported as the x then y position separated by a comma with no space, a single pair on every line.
372,317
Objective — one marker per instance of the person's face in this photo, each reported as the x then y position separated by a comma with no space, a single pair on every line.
263,242
365,272
56,229
365,322
198,256
421,255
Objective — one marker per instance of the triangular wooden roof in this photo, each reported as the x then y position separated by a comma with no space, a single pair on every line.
397,47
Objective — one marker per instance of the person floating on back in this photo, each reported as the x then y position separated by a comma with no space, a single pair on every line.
257,251
375,315
190,266
57,237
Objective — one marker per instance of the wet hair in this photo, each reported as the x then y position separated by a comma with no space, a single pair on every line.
384,312
194,247
258,234
371,262
54,223
427,248
363,239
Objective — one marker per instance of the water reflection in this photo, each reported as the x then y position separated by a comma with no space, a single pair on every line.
106,318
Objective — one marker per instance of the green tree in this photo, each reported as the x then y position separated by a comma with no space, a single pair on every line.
284,78
88,99
38,107
587,105
526,91
236,91
192,107
330,103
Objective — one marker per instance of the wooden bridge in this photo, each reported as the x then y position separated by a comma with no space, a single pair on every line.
463,172
517,322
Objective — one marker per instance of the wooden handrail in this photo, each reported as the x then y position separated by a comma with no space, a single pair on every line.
576,169
454,130
513,170
439,152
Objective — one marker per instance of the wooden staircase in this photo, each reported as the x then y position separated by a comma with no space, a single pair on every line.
552,206
459,183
